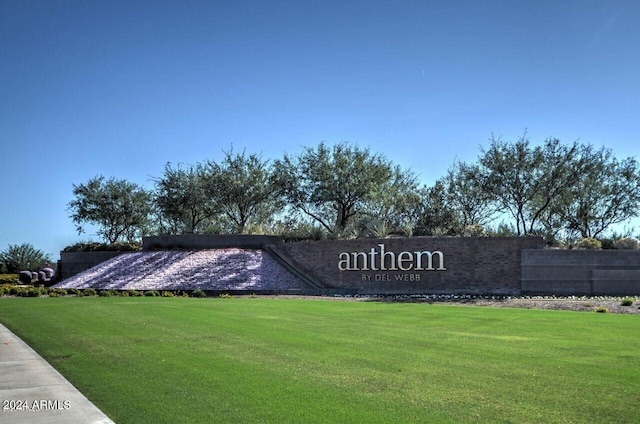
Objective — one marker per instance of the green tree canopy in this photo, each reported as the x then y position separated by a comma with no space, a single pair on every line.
119,208
526,180
468,195
395,204
437,216
551,189
332,184
182,201
607,193
244,188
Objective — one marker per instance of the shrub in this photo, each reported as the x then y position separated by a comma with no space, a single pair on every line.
602,310
105,293
625,244
33,292
627,301
152,293
167,294
134,293
57,292
29,291
94,247
16,258
589,243
8,278
379,228
474,230
291,231
198,293
75,291
607,243
225,296
89,292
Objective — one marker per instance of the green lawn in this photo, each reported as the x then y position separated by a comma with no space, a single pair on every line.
166,360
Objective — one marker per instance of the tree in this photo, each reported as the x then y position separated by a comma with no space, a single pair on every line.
437,217
119,208
184,206
526,181
395,204
244,188
467,195
607,193
23,257
332,185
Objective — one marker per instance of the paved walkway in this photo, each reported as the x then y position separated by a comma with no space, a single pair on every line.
33,392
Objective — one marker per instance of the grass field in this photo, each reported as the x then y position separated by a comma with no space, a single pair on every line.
251,360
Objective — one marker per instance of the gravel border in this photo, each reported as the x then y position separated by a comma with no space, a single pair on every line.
572,303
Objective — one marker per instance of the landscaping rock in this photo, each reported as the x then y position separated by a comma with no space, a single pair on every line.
25,277
211,269
50,273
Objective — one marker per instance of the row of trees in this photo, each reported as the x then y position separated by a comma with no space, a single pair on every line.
553,189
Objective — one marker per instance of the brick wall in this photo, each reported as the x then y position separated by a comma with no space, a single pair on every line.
473,265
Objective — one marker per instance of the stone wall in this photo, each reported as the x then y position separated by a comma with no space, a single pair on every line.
471,265
581,272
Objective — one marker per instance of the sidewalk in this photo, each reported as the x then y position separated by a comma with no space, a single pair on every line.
33,392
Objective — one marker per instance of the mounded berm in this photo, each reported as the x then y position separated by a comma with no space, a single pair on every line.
224,270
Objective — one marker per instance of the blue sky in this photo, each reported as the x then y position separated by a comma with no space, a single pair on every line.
120,88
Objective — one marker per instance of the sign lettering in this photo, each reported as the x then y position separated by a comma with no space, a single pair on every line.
379,259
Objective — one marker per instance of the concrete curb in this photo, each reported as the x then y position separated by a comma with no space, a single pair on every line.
32,391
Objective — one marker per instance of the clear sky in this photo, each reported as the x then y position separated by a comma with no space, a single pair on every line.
120,88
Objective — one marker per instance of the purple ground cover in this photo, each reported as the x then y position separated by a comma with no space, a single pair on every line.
215,269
